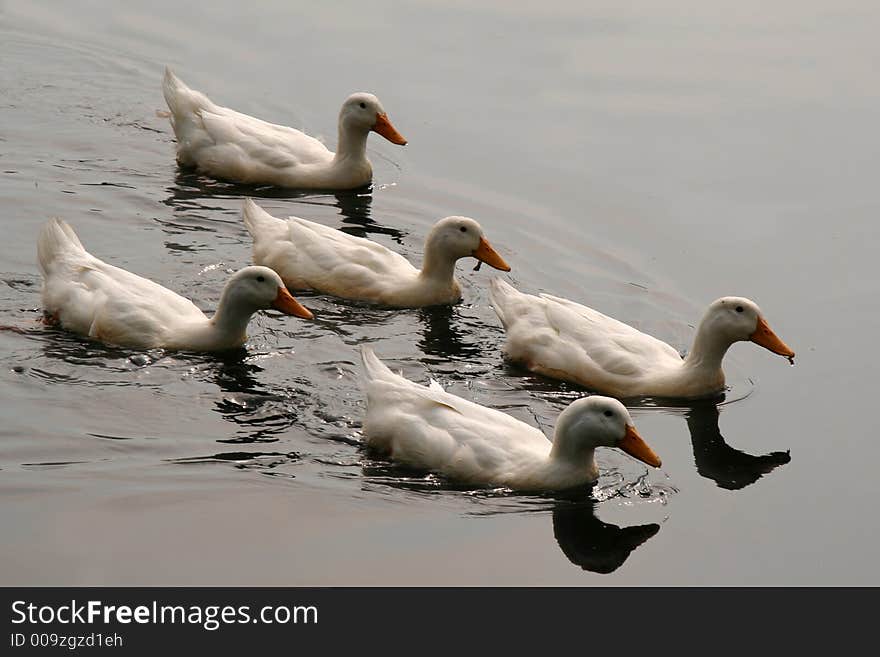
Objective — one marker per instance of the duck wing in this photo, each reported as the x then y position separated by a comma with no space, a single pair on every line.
227,142
264,143
94,298
565,340
612,346
310,255
429,428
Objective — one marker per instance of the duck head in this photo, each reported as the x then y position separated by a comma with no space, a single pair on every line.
260,288
362,112
597,421
461,237
737,319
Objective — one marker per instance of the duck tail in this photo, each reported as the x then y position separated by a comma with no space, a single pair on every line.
373,367
56,240
257,220
172,87
184,103
501,297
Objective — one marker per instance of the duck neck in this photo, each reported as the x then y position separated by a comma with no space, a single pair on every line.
231,319
578,458
438,266
707,351
352,143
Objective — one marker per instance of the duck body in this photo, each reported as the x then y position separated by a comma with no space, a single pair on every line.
234,146
565,340
426,427
90,297
308,255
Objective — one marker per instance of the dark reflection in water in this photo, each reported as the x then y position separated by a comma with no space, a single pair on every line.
261,416
355,210
716,460
233,373
76,360
60,344
597,546
443,336
345,317
544,387
244,460
588,542
355,207
190,185
403,477
568,390
193,195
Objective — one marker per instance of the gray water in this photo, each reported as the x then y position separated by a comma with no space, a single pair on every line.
642,160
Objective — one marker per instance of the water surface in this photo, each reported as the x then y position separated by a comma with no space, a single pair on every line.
642,160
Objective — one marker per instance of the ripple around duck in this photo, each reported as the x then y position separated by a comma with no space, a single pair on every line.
623,485
243,460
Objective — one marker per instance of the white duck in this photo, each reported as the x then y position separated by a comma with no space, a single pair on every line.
428,428
227,144
565,340
86,295
311,256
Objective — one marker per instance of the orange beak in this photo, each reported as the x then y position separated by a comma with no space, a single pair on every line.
383,127
765,337
485,253
287,304
633,445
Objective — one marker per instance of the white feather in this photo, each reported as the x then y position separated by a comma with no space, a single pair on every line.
95,299
309,255
228,144
565,340
429,428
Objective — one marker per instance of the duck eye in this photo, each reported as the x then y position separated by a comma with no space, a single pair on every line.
463,229
260,279
608,413
363,105
739,309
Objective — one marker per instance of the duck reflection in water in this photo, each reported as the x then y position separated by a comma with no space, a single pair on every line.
592,544
588,542
716,460
233,373
196,193
355,211
190,187
355,205
259,416
442,337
